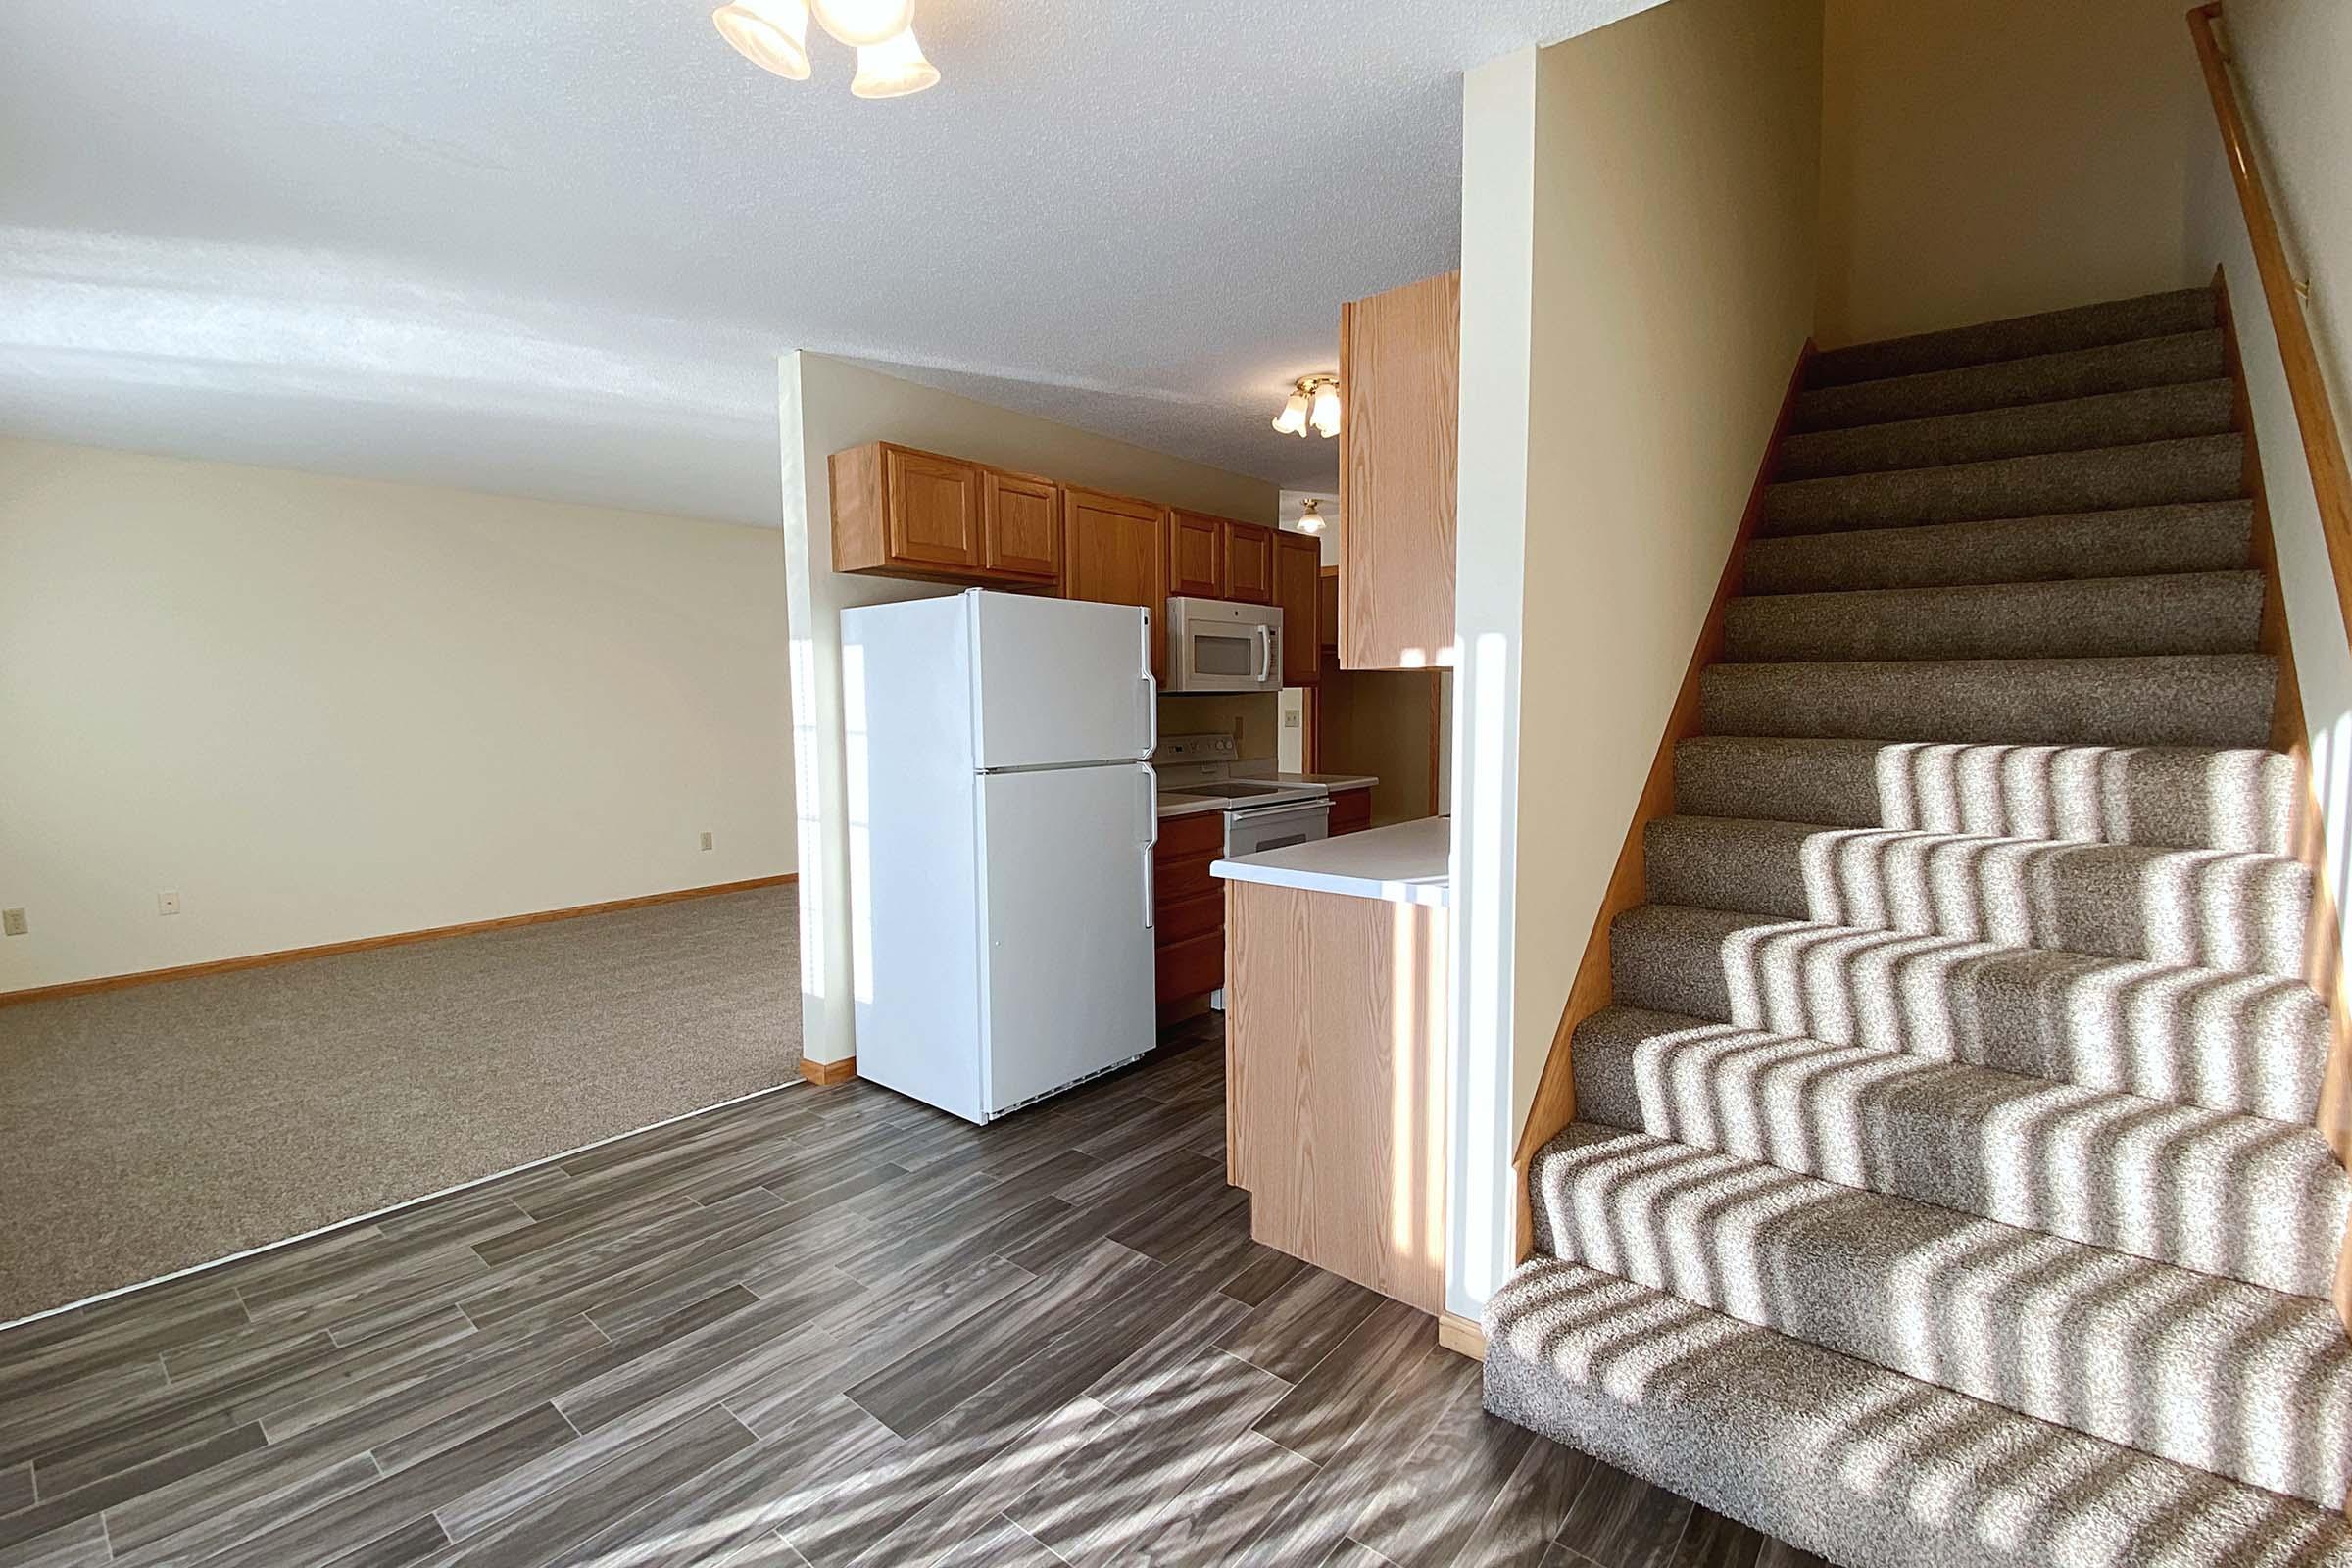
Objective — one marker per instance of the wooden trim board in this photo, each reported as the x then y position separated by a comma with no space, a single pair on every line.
398,939
825,1074
1555,1104
1461,1335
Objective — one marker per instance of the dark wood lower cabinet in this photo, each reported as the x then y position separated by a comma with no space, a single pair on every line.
1350,812
1187,907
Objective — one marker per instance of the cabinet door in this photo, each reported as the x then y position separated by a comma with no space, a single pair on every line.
1399,376
934,507
1111,553
1020,525
1249,563
1297,588
1327,609
1195,555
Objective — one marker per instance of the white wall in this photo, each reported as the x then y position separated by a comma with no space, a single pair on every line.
2292,58
324,708
1658,214
826,405
1991,158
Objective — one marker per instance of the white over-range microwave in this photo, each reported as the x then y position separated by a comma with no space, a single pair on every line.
1216,646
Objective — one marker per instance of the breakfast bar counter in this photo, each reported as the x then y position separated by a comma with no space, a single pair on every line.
1337,1018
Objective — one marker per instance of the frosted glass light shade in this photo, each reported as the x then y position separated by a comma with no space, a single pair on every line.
1311,521
772,34
1326,415
892,68
860,22
1292,420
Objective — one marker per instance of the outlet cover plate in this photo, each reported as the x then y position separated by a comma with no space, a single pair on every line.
12,923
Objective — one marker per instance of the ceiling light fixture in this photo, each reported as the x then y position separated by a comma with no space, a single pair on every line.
1310,520
1316,401
773,35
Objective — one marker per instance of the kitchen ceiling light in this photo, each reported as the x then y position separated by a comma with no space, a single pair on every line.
772,34
1292,420
1315,400
863,22
1326,417
1311,521
892,68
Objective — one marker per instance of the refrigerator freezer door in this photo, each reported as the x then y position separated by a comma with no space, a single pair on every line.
1066,946
1057,682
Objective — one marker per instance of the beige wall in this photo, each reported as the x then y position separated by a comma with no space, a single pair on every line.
1381,722
2289,57
1654,189
323,708
1989,158
826,405
1253,718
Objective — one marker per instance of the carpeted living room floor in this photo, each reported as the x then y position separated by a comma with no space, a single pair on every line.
147,1130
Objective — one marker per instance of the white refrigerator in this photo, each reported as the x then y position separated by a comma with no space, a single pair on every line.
1001,815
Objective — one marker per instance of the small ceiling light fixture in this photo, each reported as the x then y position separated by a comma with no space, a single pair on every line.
1315,400
1310,520
773,35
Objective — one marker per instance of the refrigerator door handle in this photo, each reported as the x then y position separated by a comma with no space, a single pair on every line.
1150,713
1151,838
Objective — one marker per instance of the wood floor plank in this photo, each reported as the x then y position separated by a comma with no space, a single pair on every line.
83,1502
79,1544
421,1541
1426,1513
1324,1410
1621,1521
1518,1530
1245,1484
1001,1543
16,1487
1301,1322
661,1461
1712,1541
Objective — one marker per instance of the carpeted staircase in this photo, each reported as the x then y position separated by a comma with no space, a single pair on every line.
1944,1189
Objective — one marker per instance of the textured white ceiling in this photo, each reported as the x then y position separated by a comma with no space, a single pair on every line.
555,248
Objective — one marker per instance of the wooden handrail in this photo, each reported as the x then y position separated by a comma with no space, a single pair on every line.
2315,414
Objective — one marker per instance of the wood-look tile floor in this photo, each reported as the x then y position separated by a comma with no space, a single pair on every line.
821,1327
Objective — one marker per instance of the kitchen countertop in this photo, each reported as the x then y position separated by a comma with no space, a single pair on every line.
1201,797
1401,865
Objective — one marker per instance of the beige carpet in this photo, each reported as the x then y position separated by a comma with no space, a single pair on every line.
147,1130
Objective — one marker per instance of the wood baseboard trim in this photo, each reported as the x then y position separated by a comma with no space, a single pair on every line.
825,1074
1461,1335
398,939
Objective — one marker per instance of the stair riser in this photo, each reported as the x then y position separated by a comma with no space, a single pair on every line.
2251,1043
2145,541
2231,1195
2066,331
2046,378
2243,800
1855,1463
2112,419
2219,701
2119,617
2068,1334
2161,474
2210,908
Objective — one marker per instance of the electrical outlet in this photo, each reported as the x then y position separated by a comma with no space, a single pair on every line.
1290,721
12,923
167,904
705,841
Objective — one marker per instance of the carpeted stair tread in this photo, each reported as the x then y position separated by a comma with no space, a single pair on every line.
2230,1041
2018,337
2220,1192
2199,613
2257,1383
2133,418
2010,383
2222,700
2181,796
2137,541
1864,1466
2218,908
2208,467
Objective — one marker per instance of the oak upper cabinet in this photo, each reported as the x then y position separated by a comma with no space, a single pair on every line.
1020,518
902,513
1249,562
1112,554
1297,585
1399,382
1195,555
